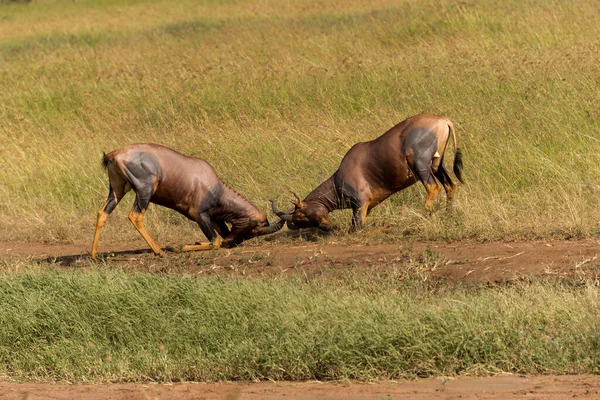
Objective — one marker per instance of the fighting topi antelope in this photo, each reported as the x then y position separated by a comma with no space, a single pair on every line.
185,184
372,171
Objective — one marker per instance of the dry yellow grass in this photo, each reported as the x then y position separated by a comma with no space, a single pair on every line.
273,94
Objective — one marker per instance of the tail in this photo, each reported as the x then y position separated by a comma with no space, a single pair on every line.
105,160
458,160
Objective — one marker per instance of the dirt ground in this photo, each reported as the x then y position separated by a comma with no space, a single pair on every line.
500,387
457,263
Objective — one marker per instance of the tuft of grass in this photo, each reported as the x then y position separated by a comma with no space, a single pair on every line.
104,325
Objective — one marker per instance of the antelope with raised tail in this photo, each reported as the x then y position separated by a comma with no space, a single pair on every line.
372,171
190,186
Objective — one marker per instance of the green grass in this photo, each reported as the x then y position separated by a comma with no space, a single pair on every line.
105,325
273,95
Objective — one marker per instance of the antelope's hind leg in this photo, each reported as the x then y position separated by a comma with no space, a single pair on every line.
449,185
426,175
143,194
111,202
103,213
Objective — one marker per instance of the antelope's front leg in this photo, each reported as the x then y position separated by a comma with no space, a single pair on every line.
235,237
207,228
220,227
360,207
359,217
214,245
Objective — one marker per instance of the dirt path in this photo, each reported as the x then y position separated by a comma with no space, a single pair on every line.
453,262
501,387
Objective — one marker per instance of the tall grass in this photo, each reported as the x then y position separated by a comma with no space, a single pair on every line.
273,94
105,325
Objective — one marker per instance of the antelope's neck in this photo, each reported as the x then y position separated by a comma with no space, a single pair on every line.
236,208
325,195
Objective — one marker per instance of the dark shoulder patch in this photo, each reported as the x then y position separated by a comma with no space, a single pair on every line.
347,195
212,198
419,139
141,163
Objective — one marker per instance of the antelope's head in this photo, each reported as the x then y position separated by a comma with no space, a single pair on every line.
305,214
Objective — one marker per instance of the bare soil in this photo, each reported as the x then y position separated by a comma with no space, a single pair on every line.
499,387
456,263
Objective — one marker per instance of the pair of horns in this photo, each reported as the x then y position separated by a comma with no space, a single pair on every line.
285,215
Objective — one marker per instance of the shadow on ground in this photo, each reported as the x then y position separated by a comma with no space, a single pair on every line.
78,259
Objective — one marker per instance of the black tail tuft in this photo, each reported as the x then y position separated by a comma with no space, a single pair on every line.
105,160
458,165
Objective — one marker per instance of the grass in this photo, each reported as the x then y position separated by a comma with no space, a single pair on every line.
274,95
105,325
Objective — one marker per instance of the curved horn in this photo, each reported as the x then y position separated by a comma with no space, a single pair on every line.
287,215
267,230
276,209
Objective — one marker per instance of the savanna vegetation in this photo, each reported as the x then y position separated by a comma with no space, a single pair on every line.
105,325
272,94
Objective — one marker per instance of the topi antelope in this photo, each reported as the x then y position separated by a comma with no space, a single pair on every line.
372,171
185,184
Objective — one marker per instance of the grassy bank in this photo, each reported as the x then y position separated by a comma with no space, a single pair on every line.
274,93
105,325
